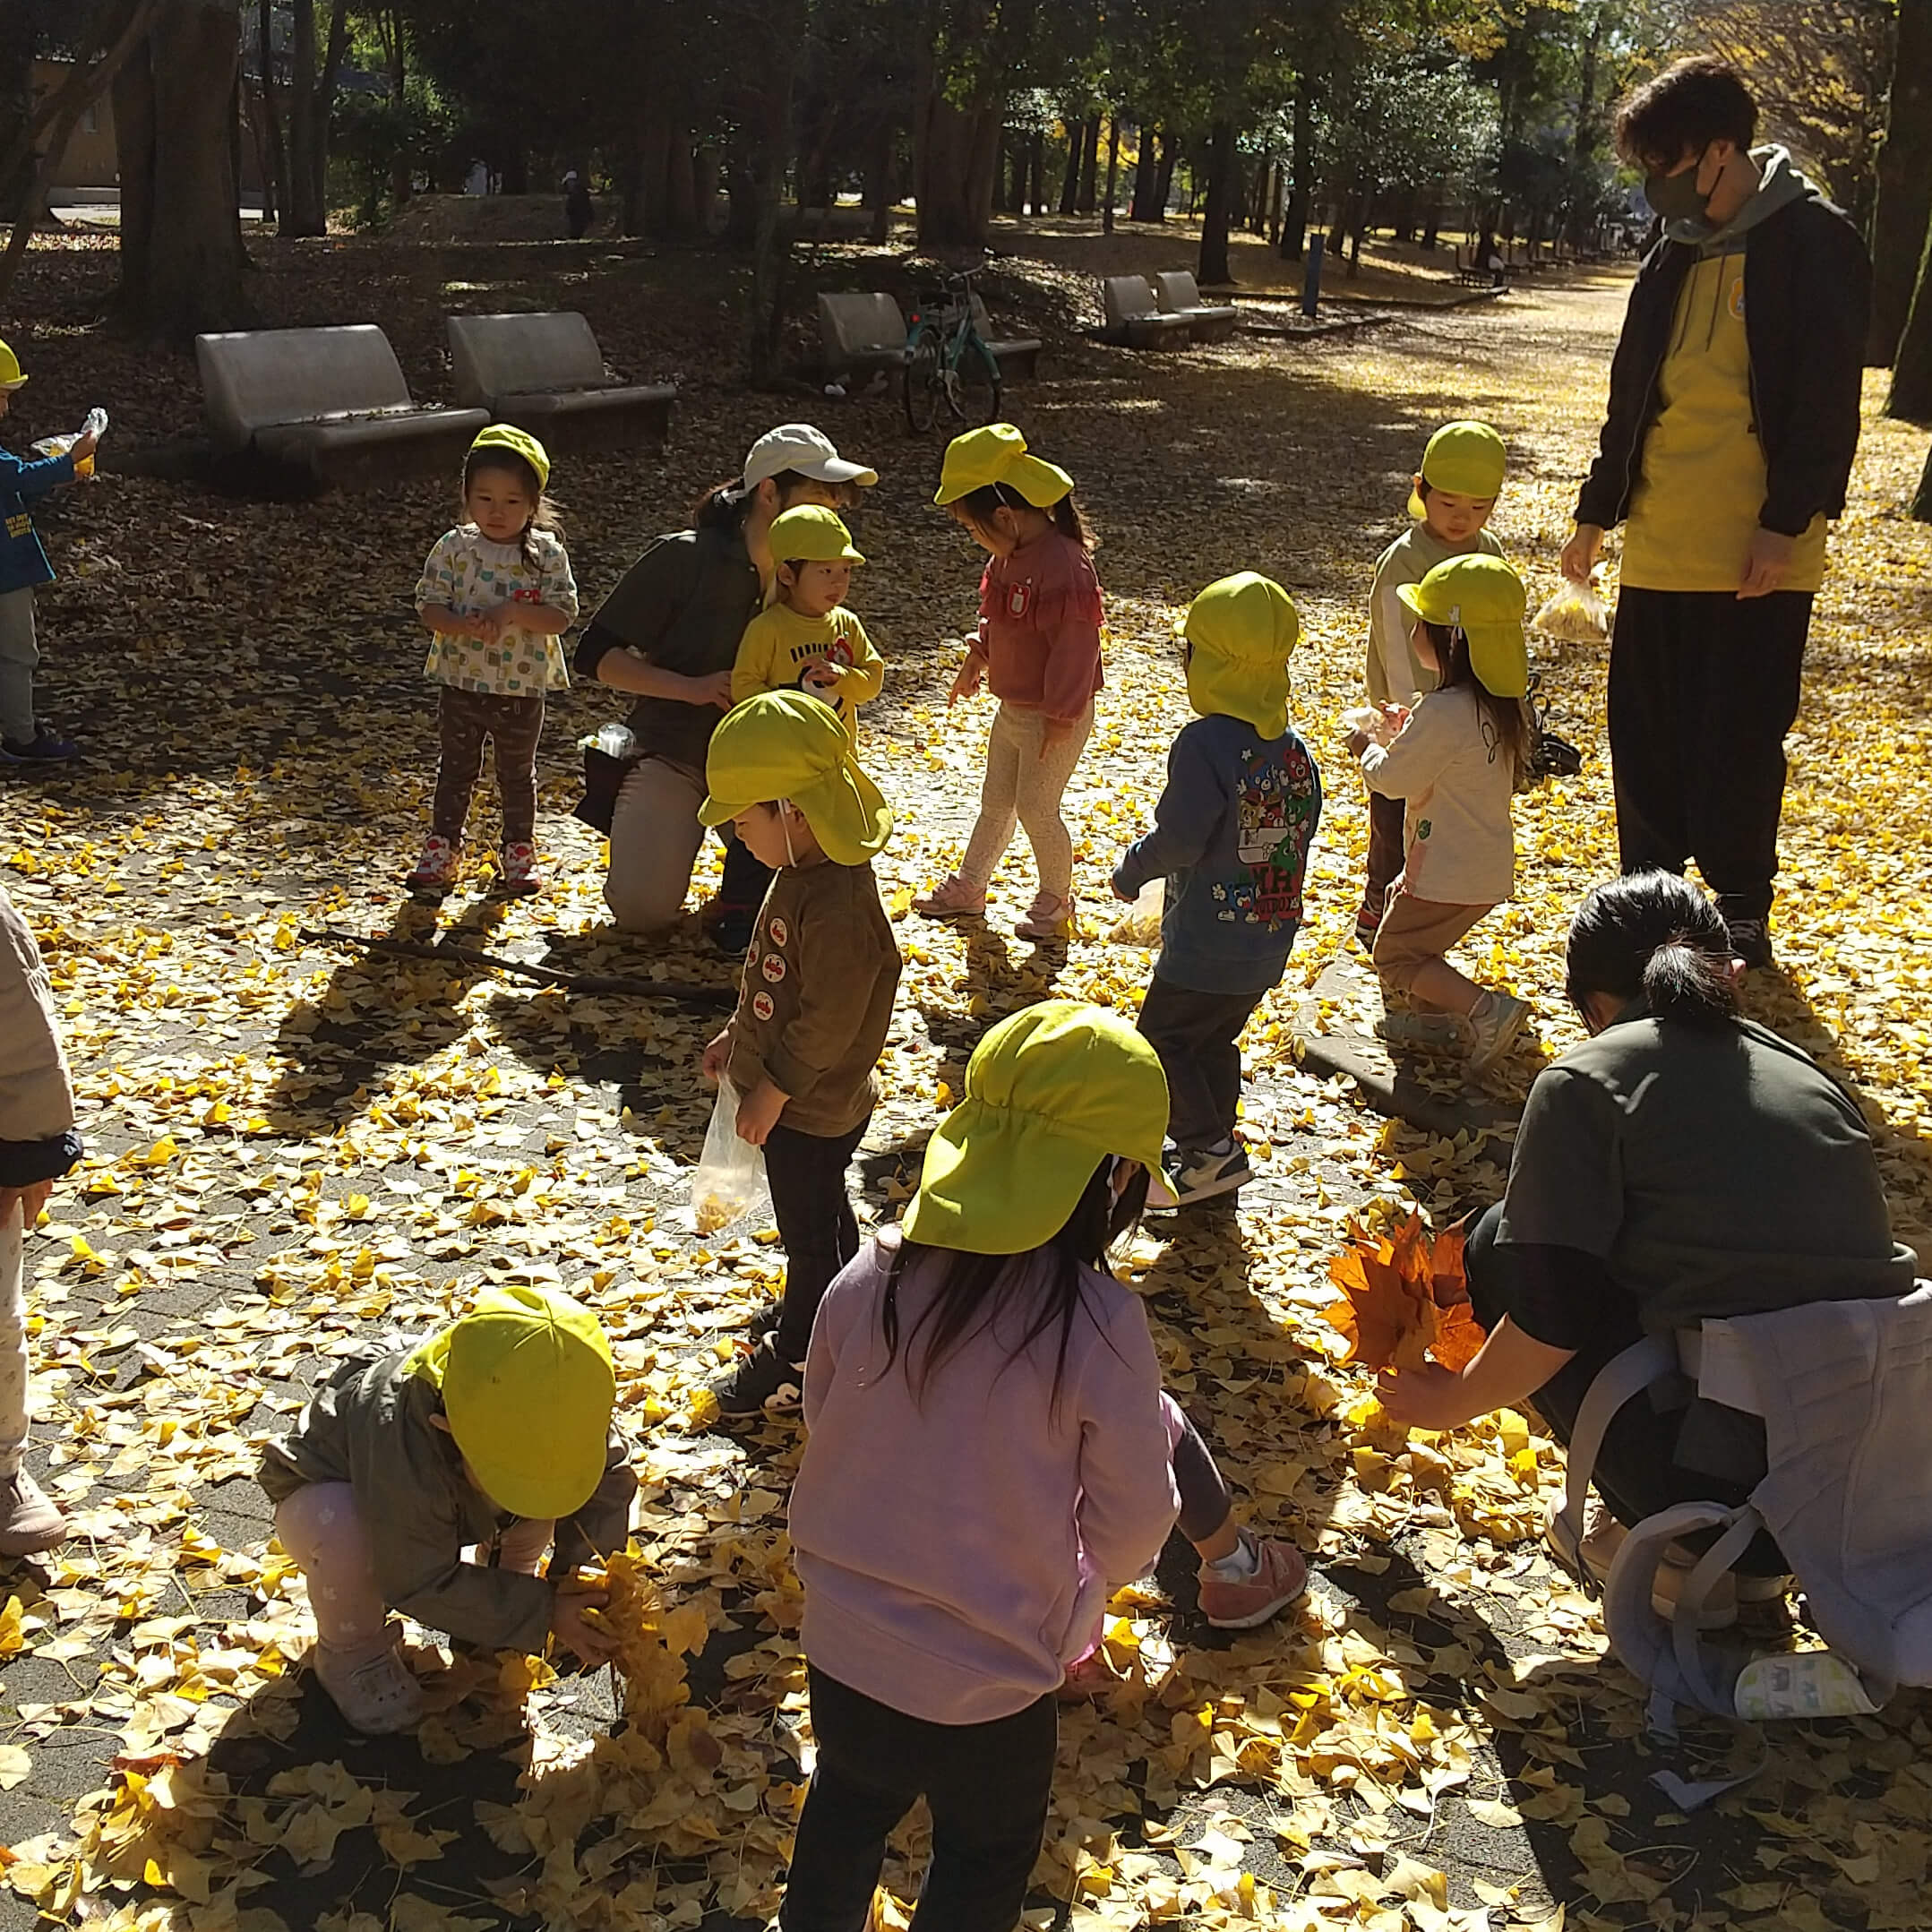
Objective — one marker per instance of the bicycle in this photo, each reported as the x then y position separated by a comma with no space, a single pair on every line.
948,360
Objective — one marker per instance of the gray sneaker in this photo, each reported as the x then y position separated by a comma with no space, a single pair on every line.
1494,1022
1428,1033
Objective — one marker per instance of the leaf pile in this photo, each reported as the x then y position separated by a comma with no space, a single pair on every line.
1405,1300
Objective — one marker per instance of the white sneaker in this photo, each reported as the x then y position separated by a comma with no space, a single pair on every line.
1494,1022
376,1696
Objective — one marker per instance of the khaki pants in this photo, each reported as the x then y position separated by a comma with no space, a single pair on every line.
13,1341
655,837
1413,932
18,654
1024,786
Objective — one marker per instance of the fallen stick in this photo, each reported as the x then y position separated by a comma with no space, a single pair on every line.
585,983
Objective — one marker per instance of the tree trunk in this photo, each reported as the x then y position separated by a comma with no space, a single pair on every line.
1222,168
1164,181
878,196
1911,368
1113,171
1294,223
648,178
1069,186
305,202
401,181
1090,166
1922,501
1431,224
741,208
1146,168
680,220
1904,209
954,152
16,111
773,139
182,258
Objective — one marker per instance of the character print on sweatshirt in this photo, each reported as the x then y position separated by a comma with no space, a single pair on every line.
1277,806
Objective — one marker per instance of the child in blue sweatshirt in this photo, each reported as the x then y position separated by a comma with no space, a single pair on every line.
23,564
1231,835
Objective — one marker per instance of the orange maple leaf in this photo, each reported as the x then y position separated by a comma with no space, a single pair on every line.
1405,1300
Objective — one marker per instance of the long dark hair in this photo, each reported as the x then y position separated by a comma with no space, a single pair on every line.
981,503
1654,934
1504,715
972,1292
724,506
543,517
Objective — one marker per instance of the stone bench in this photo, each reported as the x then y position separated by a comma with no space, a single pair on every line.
545,373
329,403
859,335
1179,294
1134,317
1018,356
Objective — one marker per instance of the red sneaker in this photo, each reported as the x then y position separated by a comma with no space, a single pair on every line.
436,869
1239,1603
521,872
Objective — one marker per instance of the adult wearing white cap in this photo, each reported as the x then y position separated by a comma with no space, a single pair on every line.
668,634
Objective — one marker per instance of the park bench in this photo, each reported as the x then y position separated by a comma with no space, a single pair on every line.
328,402
545,373
1134,317
1179,294
1018,356
859,335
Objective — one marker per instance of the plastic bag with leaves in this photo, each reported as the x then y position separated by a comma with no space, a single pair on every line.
729,1179
1575,613
1141,923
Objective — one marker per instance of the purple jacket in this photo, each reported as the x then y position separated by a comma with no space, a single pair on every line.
956,1551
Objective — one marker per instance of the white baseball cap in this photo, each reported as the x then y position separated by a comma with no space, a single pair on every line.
798,446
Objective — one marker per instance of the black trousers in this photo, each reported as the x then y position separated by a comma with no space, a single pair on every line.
986,1785
806,1173
1638,1471
1703,686
1197,1035
746,879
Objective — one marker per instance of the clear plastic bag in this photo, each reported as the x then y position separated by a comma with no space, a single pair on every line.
729,1179
1377,725
1574,615
1141,923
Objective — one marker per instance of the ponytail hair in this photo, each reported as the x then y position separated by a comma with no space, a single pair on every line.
724,506
1503,718
980,505
1653,936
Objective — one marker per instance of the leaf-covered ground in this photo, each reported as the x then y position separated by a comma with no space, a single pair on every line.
294,1145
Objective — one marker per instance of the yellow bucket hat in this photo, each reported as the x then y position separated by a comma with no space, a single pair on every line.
997,454
1483,598
1242,630
12,375
528,1388
520,442
1464,458
1050,1093
812,533
789,744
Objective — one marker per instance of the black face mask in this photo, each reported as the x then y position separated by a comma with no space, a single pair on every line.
1675,197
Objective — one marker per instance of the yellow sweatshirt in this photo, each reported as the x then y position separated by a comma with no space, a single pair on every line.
779,647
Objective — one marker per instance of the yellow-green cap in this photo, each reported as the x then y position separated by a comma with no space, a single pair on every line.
789,744
997,454
521,443
1483,598
1242,630
527,1388
1050,1093
1464,458
812,533
12,375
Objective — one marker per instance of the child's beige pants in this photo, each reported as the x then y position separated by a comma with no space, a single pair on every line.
1024,786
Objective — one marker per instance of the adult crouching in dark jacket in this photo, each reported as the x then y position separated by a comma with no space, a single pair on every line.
1732,423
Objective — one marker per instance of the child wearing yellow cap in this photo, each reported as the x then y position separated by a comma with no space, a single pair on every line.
24,739
1038,649
496,1433
1453,764
806,639
1230,836
989,1456
815,1002
496,593
1450,499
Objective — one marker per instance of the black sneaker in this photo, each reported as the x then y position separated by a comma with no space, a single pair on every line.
1750,941
731,931
1202,1174
46,747
764,1383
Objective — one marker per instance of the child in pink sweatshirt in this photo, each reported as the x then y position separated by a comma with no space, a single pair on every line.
991,1456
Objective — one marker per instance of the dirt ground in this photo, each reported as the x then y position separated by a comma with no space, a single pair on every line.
295,1145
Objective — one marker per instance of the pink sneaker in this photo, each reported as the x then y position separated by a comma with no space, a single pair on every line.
1048,918
436,868
520,873
954,897
1239,1603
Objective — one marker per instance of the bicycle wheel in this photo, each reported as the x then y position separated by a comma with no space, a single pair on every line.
921,383
973,389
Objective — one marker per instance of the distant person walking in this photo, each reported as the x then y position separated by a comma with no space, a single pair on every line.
1732,423
579,212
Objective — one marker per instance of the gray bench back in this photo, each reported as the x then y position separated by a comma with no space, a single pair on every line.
1178,290
494,356
254,378
1126,298
854,324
